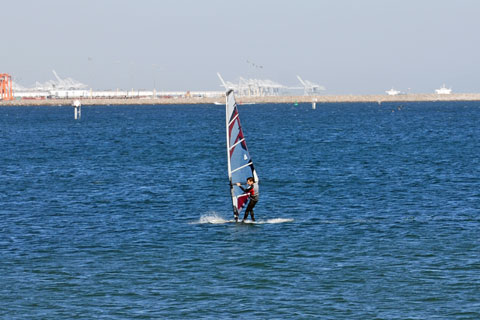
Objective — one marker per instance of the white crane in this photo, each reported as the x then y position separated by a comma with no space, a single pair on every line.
226,85
310,88
60,84
253,87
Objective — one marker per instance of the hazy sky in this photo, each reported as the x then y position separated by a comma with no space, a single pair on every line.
349,46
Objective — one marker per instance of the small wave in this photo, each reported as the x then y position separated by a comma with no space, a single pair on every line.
268,221
211,218
214,218
277,220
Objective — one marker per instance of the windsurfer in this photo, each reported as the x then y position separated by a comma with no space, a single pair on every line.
252,191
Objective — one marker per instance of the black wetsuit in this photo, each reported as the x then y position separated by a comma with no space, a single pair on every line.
253,196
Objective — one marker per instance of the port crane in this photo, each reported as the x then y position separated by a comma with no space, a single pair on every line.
6,87
310,88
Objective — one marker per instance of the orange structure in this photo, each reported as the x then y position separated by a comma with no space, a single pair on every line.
6,91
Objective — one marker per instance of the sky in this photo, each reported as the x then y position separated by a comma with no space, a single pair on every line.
348,46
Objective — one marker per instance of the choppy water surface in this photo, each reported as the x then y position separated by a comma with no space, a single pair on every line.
366,212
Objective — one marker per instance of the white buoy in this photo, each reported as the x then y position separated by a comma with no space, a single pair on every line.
77,105
314,104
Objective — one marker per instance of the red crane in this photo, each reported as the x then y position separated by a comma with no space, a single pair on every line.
6,91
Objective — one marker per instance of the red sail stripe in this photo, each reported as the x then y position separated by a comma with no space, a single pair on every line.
235,113
239,137
241,201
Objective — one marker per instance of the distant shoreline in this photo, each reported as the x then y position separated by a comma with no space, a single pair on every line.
240,100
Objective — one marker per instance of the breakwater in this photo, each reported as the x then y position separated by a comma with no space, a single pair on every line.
267,99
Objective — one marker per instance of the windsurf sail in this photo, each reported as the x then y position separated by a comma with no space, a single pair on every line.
240,165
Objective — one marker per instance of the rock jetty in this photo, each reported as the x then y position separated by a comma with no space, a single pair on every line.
240,100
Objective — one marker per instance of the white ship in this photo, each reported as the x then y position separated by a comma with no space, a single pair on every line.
392,92
443,90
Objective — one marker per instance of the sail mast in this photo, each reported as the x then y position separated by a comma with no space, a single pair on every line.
227,119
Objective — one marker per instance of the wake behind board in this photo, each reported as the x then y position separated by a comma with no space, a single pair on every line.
214,218
242,222
267,221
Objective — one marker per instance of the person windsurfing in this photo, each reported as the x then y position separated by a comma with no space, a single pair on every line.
252,191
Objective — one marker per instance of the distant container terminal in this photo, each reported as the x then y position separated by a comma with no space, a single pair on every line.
64,91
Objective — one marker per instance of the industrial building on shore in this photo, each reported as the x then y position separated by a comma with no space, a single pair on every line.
62,90
68,88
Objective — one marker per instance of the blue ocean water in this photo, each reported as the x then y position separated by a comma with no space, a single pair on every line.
366,211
